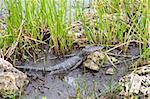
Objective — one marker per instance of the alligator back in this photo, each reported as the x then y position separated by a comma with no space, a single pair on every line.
68,64
63,66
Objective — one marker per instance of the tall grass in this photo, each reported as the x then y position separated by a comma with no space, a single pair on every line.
120,21
117,21
37,16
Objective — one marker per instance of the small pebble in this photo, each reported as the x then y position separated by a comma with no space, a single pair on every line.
110,71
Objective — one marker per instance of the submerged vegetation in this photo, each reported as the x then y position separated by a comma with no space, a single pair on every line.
38,26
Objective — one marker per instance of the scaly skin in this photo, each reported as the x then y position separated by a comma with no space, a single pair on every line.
67,65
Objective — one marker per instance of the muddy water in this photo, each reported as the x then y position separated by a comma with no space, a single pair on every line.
63,86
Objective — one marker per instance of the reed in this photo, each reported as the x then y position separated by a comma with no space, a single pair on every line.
116,21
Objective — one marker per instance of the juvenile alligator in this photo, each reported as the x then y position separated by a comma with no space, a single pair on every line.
67,65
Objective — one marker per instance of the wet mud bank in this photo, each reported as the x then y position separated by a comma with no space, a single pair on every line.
81,80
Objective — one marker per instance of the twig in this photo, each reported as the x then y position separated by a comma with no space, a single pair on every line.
119,62
110,61
13,46
121,45
119,55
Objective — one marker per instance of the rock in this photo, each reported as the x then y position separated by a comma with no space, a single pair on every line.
143,70
11,79
137,82
91,65
110,71
93,60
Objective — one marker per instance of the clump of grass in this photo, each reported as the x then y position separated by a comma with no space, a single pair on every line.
37,16
119,22
114,22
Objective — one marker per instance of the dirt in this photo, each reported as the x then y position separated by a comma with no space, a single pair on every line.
65,85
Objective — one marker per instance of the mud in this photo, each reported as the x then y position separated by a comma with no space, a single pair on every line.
65,85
